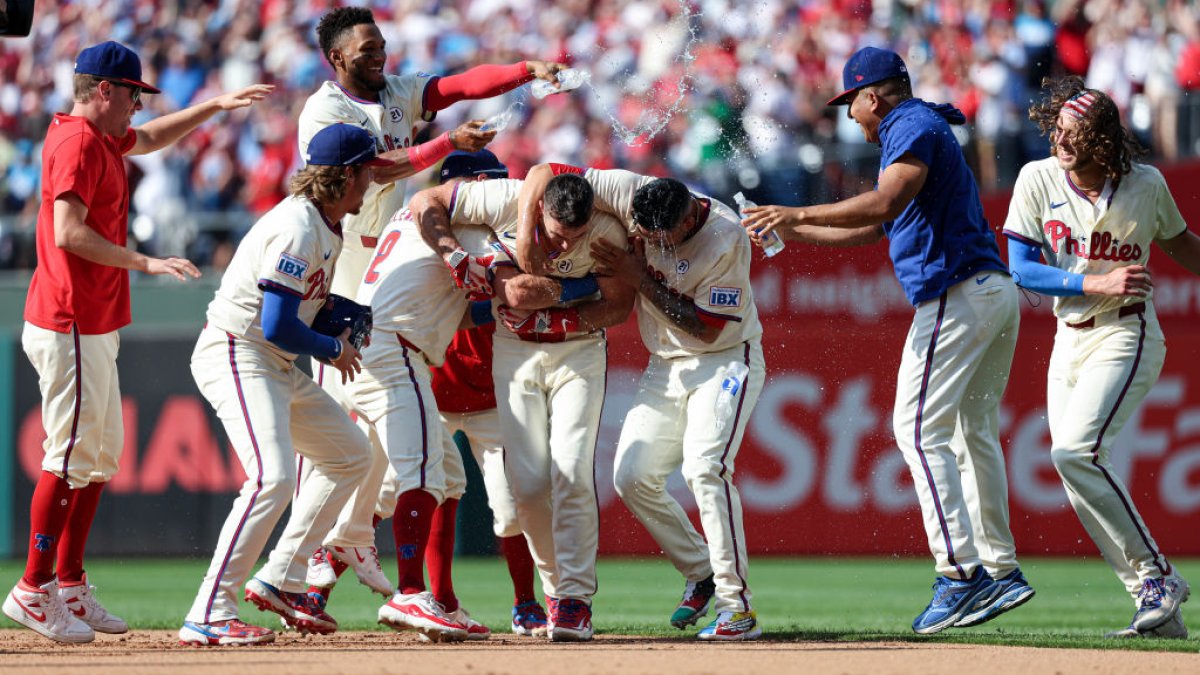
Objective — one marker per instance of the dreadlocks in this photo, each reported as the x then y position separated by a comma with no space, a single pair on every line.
1099,134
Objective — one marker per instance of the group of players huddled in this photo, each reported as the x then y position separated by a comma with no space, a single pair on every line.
489,299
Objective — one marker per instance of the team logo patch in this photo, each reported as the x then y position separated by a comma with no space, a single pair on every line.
42,542
682,267
292,266
396,114
408,551
719,296
564,266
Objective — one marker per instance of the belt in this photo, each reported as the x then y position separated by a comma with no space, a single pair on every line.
543,337
369,242
408,344
1135,308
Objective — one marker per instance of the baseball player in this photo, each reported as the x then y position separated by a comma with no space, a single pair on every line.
78,299
549,371
390,107
244,364
1092,213
404,284
690,267
959,349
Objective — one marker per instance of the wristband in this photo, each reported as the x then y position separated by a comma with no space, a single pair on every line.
574,289
425,155
481,312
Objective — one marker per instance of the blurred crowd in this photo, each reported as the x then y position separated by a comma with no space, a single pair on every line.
727,94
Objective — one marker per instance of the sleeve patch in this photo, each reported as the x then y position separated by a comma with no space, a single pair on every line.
292,266
724,296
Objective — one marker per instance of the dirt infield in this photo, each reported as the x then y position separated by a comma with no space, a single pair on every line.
365,653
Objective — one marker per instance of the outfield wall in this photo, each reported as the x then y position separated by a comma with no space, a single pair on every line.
818,473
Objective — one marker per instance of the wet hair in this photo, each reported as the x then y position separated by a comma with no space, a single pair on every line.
661,204
334,26
1098,135
569,199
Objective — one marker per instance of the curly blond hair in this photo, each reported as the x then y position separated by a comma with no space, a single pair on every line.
1099,134
321,184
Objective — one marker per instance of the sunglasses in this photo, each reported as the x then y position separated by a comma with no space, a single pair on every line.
135,92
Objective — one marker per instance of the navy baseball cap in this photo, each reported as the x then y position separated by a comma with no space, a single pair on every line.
343,145
461,163
113,61
868,66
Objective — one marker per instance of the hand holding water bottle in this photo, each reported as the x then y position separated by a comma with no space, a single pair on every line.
770,241
571,78
733,378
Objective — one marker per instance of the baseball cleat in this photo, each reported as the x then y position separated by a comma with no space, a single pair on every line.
528,618
697,598
1158,601
952,599
82,603
299,610
1173,629
42,610
732,626
1012,591
364,560
228,632
475,630
570,620
321,573
420,612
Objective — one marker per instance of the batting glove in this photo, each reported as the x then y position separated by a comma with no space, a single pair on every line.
557,321
469,273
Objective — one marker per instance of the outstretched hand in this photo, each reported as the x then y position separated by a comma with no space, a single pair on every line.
760,220
545,70
243,97
470,137
179,268
624,265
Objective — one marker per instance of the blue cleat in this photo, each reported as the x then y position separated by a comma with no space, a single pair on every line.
1012,591
952,599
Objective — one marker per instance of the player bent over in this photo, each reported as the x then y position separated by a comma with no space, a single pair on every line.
690,267
960,346
550,371
78,299
244,364
1092,214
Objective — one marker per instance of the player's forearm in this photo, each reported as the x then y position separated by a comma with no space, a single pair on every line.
483,81
282,327
866,209
432,216
527,291
532,191
412,160
83,241
680,310
837,237
1184,249
162,131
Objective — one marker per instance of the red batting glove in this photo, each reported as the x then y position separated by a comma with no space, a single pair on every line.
469,273
555,321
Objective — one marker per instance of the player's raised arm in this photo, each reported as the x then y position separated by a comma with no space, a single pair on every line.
160,132
530,256
486,81
468,137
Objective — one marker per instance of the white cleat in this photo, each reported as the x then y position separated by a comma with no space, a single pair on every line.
364,560
42,610
420,612
320,573
83,605
475,630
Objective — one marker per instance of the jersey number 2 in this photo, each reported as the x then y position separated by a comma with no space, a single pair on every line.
381,253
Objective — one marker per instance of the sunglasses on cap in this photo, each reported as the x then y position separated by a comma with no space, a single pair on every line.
135,92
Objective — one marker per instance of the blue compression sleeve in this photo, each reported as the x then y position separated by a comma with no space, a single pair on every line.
574,289
1028,270
481,312
283,327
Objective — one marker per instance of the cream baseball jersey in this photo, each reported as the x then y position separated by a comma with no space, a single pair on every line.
1078,236
494,203
292,248
409,289
712,268
392,122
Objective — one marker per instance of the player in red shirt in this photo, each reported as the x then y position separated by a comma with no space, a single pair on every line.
78,299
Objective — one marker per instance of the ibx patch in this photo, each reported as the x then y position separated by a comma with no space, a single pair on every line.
719,296
292,266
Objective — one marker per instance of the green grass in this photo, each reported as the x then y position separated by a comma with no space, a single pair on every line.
822,599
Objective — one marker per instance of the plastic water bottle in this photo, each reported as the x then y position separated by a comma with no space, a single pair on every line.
733,378
771,242
499,121
571,78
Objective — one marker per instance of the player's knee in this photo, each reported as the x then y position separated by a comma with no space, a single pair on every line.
700,471
1069,455
277,491
530,491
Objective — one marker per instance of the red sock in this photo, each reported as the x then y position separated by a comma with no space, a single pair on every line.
410,526
48,511
439,555
520,566
74,537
